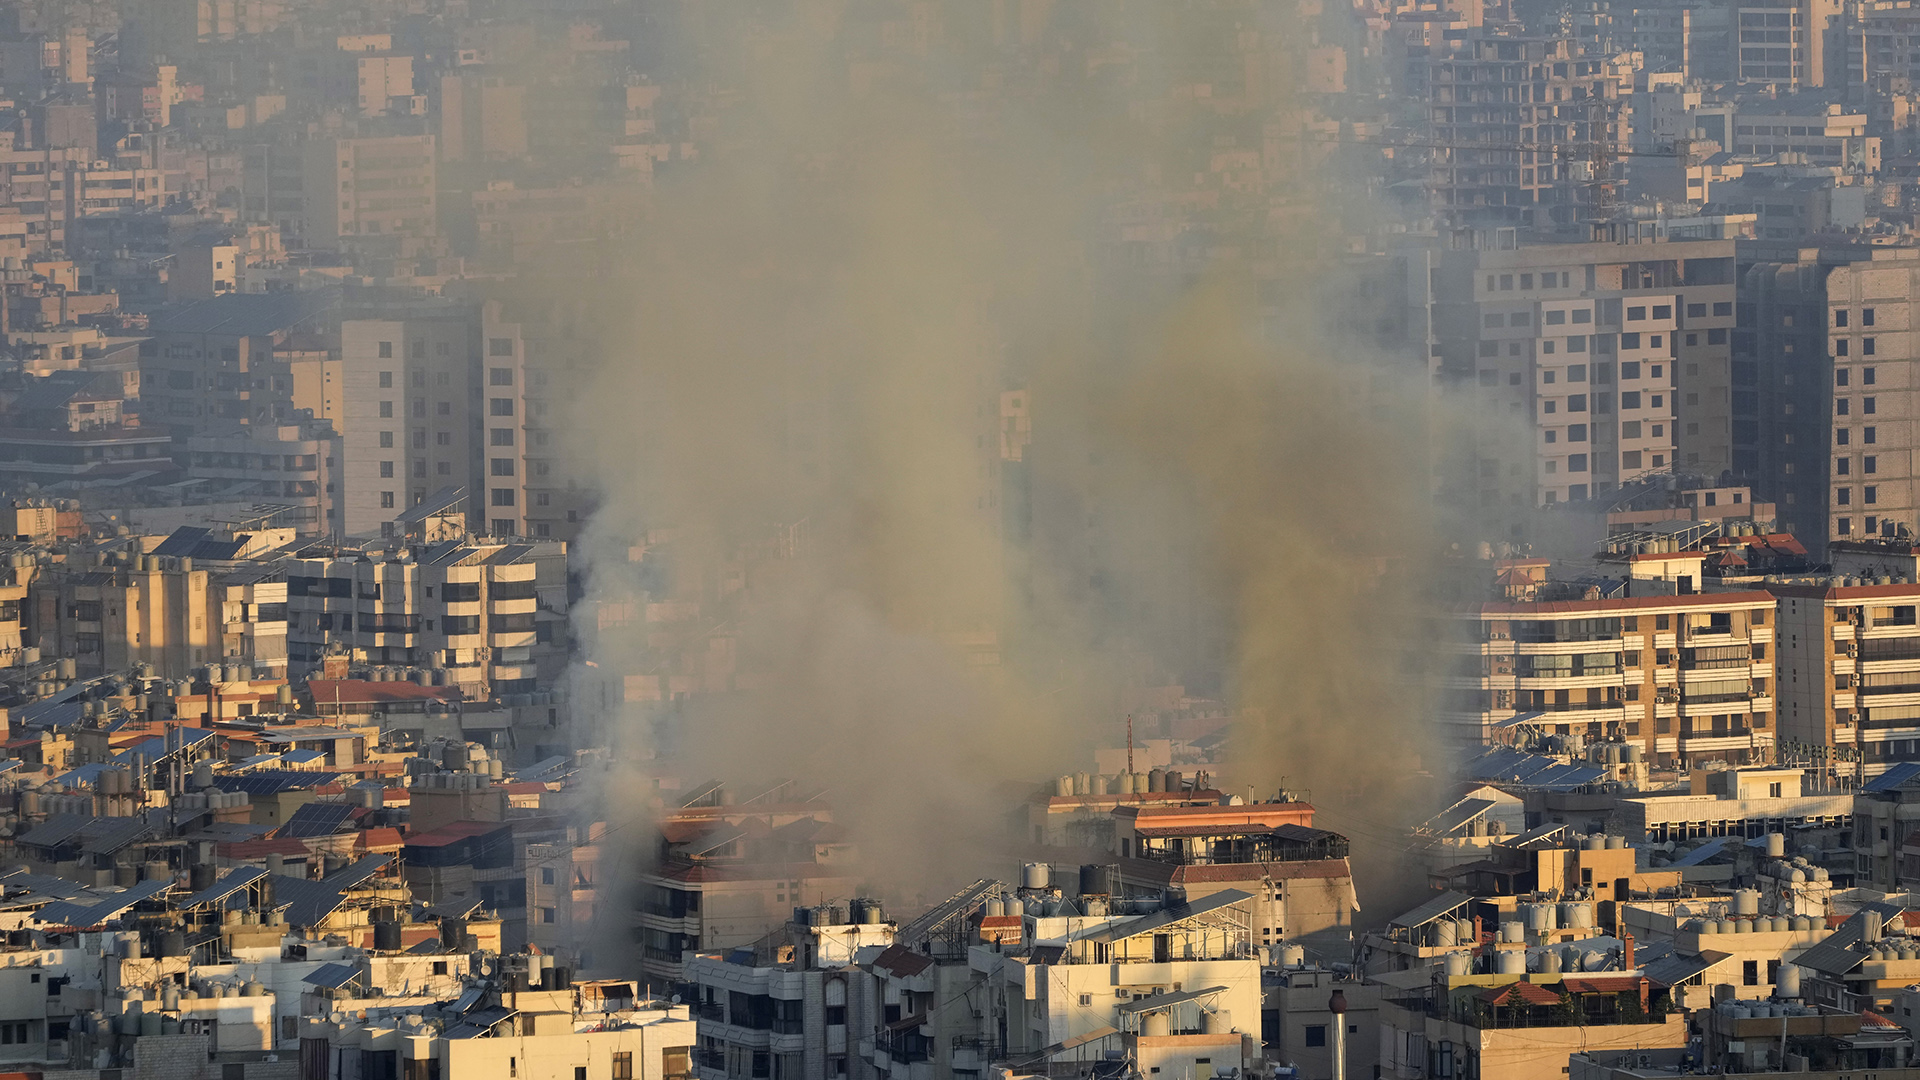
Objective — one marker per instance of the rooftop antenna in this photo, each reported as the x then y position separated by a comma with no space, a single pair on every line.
1129,742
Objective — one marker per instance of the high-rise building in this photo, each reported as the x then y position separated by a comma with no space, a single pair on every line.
1686,677
1593,364
1524,131
433,397
217,360
1826,370
370,193
1789,44
1846,652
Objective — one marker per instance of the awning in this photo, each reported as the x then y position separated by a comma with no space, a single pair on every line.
1166,1001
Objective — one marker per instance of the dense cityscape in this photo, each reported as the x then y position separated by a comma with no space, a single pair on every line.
959,539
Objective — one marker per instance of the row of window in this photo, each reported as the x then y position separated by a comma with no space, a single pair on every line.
495,437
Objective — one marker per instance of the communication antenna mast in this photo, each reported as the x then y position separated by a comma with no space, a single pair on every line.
1601,153
1129,742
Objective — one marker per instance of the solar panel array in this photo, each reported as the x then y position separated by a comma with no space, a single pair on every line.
316,819
272,781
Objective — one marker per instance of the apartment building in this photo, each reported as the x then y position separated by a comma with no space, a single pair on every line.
1187,968
1787,44
372,193
1847,652
1510,93
108,616
1515,1026
803,1007
600,1028
1826,372
50,189
1819,126
470,610
1297,878
436,396
1594,364
292,464
1687,678
213,361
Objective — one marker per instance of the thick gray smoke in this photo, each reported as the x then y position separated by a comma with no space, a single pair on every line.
808,415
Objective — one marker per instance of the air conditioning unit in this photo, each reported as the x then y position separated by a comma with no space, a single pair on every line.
196,1027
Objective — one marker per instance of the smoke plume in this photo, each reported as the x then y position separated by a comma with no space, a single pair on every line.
913,225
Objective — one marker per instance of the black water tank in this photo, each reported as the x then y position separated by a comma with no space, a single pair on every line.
386,936
1095,881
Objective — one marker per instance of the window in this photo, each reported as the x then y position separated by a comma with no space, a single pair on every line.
500,346
499,376
1840,377
1866,376
1866,406
1841,436
623,1065
1868,435
1750,972
1842,406
1840,346
386,410
386,353
1316,1034
386,380
500,406
837,1014
502,497
500,436
1866,346
503,466
1869,464
546,914
386,470
386,500
1663,311
1866,316
579,1072
1840,317
1870,495
1843,496
546,875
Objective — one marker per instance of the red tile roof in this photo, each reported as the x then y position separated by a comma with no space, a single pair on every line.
1520,993
1869,1018
381,839
902,962
1606,984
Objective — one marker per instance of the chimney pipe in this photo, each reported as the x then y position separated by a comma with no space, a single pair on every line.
1626,951
1337,1005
